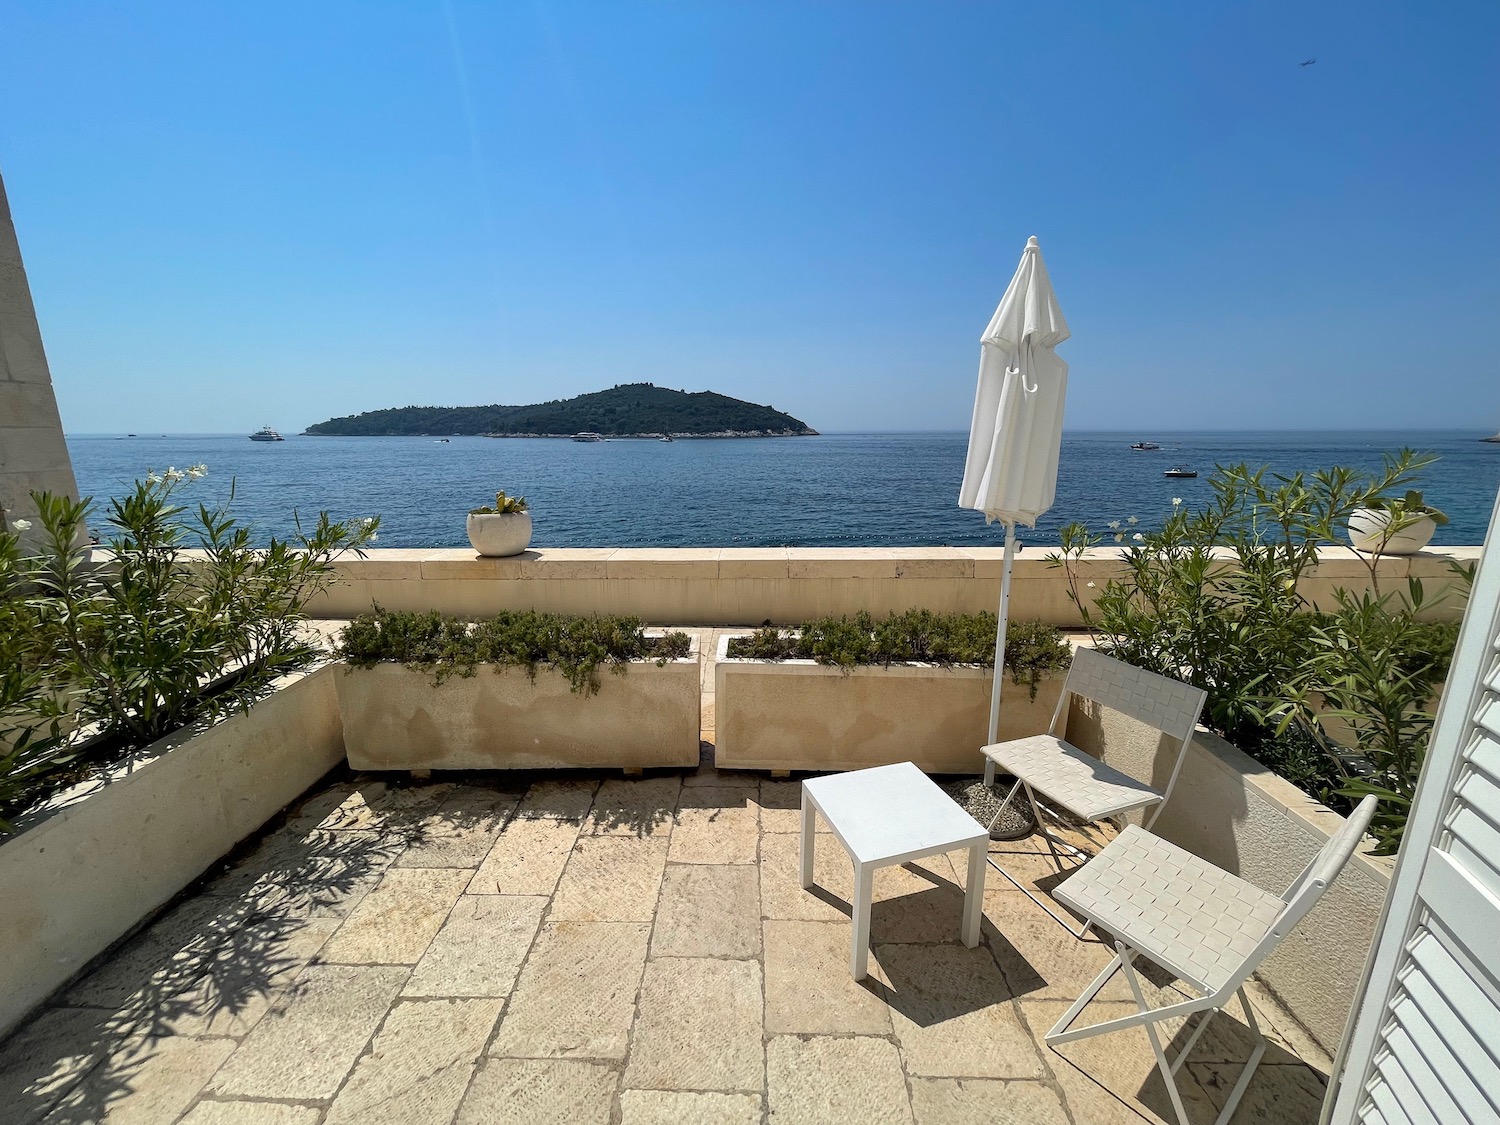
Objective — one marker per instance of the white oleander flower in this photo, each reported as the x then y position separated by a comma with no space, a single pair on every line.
1119,537
1176,501
22,525
374,536
368,521
1132,521
1114,525
1090,585
153,478
1138,537
197,471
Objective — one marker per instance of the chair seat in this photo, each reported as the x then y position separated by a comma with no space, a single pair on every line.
1179,910
1079,782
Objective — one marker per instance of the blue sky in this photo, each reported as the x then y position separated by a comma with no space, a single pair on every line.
278,212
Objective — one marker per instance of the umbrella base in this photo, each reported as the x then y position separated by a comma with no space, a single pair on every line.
981,802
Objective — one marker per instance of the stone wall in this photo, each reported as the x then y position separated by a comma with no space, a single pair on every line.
786,585
33,456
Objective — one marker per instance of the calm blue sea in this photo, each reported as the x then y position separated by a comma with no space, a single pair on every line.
835,490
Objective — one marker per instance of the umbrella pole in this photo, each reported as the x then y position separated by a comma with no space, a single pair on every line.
1004,615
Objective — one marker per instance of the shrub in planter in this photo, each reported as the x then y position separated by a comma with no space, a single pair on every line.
1033,649
1212,596
446,646
131,642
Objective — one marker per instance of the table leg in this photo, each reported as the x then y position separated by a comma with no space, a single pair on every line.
809,834
864,887
974,897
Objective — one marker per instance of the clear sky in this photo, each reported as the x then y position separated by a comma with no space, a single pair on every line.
235,214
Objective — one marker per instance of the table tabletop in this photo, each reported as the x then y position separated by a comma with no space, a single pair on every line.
889,813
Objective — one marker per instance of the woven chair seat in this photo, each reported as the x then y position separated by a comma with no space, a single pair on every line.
1066,776
1180,911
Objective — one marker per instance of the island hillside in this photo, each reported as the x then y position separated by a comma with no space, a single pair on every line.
627,410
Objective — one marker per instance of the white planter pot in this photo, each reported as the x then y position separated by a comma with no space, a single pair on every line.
497,535
1368,532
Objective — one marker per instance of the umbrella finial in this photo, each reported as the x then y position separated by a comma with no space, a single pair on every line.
1033,244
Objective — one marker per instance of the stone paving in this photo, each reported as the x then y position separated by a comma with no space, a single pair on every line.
597,951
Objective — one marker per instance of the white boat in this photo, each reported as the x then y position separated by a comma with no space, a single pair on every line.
265,433
588,435
666,437
1493,437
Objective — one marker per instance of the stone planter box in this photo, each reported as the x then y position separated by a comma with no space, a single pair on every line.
397,719
85,870
801,715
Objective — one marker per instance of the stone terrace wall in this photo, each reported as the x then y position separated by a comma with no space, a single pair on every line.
747,586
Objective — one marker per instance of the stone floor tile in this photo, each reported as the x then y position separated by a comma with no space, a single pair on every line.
611,879
808,987
634,807
462,831
539,1092
563,799
952,1013
396,921
314,874
148,1081
818,1080
50,1054
306,1043
479,950
716,825
527,858
1040,959
250,1113
576,993
1111,1078
419,1065
699,1027
781,892
241,979
164,957
985,1101
371,804
1276,1094
674,1107
780,806
708,910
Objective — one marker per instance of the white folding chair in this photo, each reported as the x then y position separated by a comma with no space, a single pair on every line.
1208,927
1077,781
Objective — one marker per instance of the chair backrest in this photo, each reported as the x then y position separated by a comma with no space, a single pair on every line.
1169,705
1309,886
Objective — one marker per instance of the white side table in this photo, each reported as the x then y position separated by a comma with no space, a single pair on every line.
886,815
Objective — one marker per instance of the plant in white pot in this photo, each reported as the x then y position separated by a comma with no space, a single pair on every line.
502,530
1394,527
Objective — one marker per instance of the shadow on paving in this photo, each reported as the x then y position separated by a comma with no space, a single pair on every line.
209,964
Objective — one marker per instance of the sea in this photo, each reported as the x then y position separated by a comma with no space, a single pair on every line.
837,490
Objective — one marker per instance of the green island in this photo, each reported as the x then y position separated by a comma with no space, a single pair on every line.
626,410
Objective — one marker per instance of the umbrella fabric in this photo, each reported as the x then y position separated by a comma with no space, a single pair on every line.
1011,471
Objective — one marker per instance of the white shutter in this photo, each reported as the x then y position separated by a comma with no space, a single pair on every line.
1424,1045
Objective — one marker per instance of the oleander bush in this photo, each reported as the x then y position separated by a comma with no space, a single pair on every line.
174,618
1033,649
1212,596
446,646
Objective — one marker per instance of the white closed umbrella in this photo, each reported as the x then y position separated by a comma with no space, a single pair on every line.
1011,471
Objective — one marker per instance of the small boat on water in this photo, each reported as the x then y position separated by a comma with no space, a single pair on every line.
1144,445
1179,471
441,441
1493,437
666,437
588,435
265,433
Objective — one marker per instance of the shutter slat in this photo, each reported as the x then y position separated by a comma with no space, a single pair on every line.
1441,1077
1484,755
1406,1094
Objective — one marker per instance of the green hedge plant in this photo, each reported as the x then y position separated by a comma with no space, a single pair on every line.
446,646
1033,649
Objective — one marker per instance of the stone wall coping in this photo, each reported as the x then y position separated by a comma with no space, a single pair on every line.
710,563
